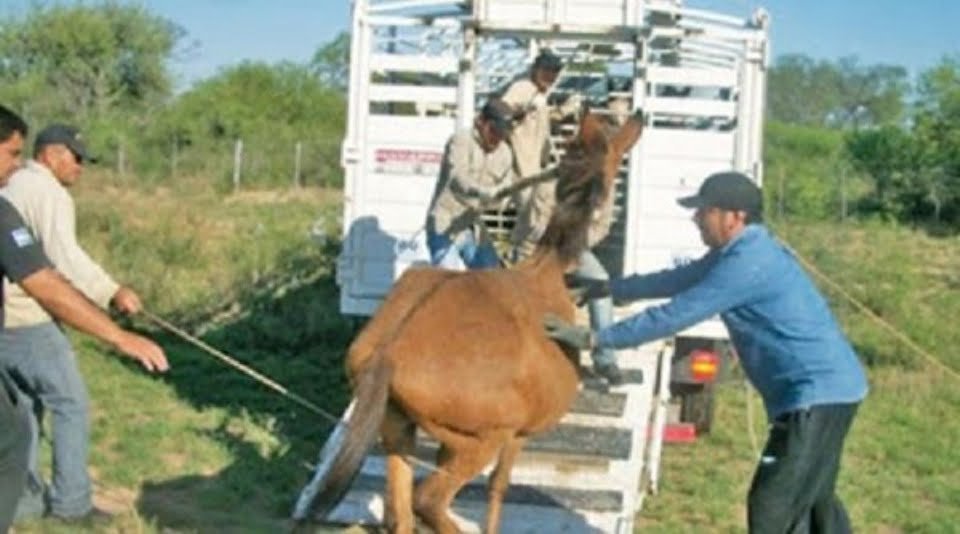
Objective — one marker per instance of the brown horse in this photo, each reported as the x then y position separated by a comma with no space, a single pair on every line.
463,355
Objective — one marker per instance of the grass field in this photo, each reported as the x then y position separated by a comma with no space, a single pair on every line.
206,449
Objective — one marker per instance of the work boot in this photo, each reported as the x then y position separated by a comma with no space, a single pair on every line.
610,372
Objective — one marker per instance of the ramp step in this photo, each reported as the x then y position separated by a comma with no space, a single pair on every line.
594,402
566,439
552,497
584,441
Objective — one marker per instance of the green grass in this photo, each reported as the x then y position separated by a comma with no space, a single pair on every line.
206,449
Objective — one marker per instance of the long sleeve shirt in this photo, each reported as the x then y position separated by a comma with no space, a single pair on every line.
48,210
789,344
530,142
467,172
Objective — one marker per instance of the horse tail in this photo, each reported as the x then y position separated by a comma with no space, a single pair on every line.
342,455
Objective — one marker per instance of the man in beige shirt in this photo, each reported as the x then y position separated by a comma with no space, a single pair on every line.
33,344
530,141
477,165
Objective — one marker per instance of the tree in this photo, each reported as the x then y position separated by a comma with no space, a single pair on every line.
936,130
269,107
84,60
868,95
842,94
888,155
800,90
331,62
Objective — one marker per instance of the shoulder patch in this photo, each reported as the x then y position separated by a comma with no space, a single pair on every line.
22,237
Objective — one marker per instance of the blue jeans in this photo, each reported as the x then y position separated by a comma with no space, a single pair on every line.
47,369
14,447
601,310
472,254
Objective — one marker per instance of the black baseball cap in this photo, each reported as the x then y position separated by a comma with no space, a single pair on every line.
61,134
729,191
499,113
548,60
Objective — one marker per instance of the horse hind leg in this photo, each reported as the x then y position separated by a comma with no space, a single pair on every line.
399,441
500,479
460,459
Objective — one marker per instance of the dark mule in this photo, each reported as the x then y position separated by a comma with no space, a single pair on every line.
463,356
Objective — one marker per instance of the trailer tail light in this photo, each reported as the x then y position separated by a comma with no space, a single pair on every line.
704,365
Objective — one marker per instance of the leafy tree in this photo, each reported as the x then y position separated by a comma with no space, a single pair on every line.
269,107
888,156
83,60
937,134
868,95
841,94
331,62
800,90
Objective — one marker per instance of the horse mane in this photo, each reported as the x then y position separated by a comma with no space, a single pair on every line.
581,188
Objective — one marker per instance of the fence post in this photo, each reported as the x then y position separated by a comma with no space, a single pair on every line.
843,193
780,196
237,162
121,159
174,156
298,151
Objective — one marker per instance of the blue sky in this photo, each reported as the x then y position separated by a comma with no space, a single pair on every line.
912,33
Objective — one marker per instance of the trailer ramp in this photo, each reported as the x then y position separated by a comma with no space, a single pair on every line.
584,476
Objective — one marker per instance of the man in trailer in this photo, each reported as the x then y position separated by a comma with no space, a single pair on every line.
530,141
477,166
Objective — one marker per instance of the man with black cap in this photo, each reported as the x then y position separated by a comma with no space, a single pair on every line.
32,342
786,337
477,166
530,143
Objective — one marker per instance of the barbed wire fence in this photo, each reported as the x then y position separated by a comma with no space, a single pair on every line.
231,165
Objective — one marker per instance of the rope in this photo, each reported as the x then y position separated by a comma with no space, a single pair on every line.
876,318
243,368
263,379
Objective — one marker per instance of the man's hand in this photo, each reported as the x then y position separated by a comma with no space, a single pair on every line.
148,353
127,301
582,289
578,337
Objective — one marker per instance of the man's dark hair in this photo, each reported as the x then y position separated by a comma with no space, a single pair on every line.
10,122
754,217
548,60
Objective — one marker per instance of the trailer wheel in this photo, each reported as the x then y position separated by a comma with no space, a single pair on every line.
697,407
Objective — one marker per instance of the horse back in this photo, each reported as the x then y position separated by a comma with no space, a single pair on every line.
408,291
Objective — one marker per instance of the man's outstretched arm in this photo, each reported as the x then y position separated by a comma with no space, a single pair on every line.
67,304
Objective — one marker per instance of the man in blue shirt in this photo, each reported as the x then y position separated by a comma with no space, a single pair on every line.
788,342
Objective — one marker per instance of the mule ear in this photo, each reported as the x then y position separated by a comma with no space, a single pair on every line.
623,141
627,135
